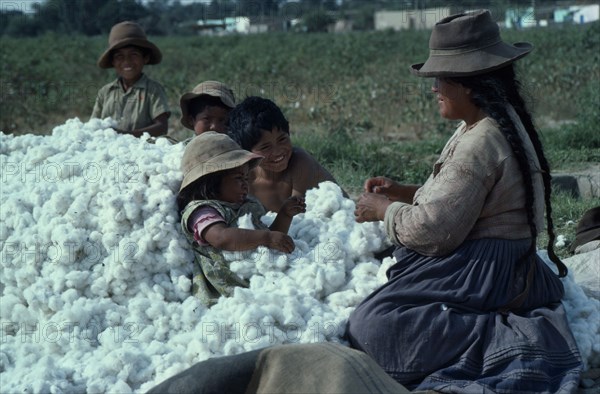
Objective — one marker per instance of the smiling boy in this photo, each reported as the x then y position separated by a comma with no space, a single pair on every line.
138,103
258,125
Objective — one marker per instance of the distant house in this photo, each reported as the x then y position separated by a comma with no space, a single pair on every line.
520,18
340,26
241,25
585,13
238,24
410,19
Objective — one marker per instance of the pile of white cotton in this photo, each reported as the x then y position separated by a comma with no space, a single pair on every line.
95,270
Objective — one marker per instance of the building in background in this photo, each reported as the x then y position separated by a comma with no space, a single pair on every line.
410,19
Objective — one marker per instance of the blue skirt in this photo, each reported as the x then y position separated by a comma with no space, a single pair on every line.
435,324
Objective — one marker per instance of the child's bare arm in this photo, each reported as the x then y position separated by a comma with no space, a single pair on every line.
222,237
307,173
159,126
290,208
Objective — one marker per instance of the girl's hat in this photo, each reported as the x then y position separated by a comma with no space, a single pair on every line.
125,34
208,88
468,44
588,228
211,152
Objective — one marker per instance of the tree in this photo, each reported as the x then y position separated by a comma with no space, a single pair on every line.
317,21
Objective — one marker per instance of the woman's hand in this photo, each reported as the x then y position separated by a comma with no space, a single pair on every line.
393,190
293,206
379,185
371,207
280,241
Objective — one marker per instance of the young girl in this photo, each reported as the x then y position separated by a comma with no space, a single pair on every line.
212,197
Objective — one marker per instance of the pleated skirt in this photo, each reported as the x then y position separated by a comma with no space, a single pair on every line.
436,324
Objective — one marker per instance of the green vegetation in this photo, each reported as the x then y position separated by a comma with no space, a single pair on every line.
350,98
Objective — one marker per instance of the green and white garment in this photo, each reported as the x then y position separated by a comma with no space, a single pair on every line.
212,277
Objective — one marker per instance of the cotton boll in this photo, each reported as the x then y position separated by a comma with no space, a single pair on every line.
77,279
561,241
324,200
386,263
5,361
121,387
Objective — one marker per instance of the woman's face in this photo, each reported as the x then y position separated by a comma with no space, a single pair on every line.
453,99
234,185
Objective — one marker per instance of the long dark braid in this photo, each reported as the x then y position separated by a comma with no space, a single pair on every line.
491,92
518,103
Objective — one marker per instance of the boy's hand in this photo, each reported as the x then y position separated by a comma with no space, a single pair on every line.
281,242
293,206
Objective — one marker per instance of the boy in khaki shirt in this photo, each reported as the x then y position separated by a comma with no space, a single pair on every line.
138,103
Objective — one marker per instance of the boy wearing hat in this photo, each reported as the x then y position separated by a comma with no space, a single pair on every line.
138,103
206,108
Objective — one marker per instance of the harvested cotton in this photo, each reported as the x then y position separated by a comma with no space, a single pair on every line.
95,270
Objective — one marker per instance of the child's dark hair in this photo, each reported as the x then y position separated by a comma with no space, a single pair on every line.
250,117
200,103
491,92
204,188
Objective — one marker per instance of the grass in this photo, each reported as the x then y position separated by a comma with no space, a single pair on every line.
350,98
566,212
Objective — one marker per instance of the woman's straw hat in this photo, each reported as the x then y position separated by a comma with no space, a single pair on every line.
468,44
211,152
208,88
125,34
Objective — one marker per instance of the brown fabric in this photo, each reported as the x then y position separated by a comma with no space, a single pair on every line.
319,368
475,191
588,228
211,152
128,34
134,109
206,88
468,44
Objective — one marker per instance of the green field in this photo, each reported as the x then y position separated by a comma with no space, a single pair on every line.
350,98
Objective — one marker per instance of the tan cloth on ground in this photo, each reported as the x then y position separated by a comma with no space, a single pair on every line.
134,109
319,368
475,191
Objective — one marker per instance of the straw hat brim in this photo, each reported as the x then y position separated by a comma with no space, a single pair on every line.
222,162
187,97
457,63
105,60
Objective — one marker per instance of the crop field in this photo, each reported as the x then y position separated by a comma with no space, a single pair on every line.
350,98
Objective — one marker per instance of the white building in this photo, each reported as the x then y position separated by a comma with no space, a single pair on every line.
410,19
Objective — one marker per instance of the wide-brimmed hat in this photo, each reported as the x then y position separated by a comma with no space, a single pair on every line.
207,88
468,44
124,34
211,152
588,228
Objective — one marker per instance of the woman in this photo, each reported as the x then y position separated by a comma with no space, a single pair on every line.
469,306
